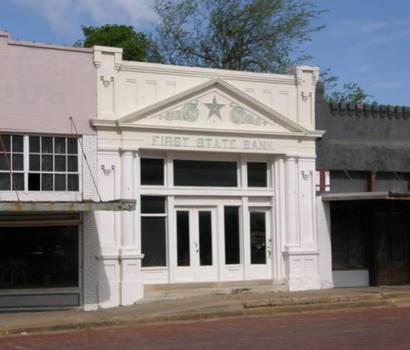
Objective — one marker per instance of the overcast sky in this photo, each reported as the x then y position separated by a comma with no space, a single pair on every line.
365,41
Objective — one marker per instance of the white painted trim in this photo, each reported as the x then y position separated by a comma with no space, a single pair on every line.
110,124
157,68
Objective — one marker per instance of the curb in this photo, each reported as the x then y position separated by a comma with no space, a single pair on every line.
266,308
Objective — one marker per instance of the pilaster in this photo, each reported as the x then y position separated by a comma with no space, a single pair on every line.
306,78
279,218
291,195
130,253
301,253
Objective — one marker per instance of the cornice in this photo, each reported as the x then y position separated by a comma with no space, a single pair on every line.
155,68
12,42
116,125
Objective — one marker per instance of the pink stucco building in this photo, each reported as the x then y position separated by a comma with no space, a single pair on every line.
48,176
41,86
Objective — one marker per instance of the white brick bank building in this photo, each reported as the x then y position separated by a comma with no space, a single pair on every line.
222,165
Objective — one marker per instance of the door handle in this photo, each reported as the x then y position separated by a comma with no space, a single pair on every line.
196,247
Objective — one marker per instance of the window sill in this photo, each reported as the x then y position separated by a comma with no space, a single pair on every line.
40,196
154,268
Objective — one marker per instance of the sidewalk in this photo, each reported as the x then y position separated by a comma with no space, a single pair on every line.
205,307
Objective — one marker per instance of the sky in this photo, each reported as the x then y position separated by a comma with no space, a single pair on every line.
364,41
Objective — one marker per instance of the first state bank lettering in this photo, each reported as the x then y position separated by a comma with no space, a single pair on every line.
211,143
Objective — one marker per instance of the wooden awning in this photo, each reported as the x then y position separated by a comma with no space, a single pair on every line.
361,196
67,206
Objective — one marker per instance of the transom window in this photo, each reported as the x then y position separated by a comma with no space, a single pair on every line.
53,164
152,171
50,163
205,173
11,163
257,174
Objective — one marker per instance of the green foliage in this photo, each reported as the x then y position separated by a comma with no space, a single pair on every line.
348,93
137,46
247,35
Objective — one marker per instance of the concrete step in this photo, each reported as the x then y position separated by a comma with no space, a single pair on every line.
186,290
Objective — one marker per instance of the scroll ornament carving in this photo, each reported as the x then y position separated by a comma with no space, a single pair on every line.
189,113
107,171
306,175
306,95
106,82
240,116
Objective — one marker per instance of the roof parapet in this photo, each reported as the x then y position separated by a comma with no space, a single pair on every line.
369,110
4,38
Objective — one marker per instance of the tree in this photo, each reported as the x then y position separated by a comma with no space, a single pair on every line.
137,46
348,93
247,35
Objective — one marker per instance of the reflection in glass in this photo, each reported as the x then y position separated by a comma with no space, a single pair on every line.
152,204
258,237
205,238
205,173
232,246
183,251
39,257
257,174
152,171
153,241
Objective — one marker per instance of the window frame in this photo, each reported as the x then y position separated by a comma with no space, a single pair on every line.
26,163
156,215
10,155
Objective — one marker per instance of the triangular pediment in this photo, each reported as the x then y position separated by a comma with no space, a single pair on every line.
213,105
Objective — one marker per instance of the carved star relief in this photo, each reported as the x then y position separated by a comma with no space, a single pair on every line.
214,108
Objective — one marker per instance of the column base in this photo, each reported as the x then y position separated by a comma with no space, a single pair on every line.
131,285
302,270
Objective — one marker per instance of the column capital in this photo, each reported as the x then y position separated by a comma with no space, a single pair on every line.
291,158
127,151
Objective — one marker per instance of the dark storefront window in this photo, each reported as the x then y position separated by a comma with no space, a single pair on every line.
183,246
258,237
153,231
205,238
152,205
257,174
232,245
152,171
39,257
348,237
153,241
205,173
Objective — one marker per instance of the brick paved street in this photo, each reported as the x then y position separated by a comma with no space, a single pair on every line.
360,329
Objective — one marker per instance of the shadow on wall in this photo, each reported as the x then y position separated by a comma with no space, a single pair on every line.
100,289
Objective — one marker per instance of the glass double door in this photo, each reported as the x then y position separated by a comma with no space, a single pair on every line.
196,245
